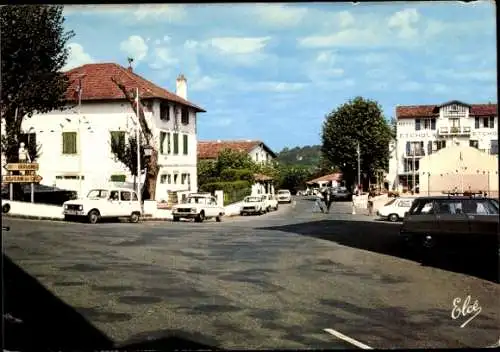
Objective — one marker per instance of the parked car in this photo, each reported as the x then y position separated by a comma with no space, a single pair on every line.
341,194
284,196
395,209
450,223
198,206
253,205
104,203
270,201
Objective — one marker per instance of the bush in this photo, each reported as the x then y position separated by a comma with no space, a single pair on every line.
230,175
234,191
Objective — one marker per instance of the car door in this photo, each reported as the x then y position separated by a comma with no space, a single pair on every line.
421,219
212,207
452,221
113,204
126,203
483,217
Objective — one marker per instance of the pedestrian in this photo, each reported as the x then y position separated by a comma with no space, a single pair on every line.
319,202
326,198
370,203
329,200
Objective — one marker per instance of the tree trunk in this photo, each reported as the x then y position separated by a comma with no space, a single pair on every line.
152,171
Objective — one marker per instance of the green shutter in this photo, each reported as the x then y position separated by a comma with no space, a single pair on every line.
162,140
169,148
69,142
176,143
118,178
185,143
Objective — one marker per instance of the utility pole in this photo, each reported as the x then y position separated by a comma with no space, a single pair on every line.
80,159
358,150
414,164
138,136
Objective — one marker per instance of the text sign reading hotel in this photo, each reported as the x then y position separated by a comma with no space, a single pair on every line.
417,134
22,179
22,167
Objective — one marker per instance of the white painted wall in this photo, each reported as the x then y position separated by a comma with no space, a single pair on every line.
260,155
96,160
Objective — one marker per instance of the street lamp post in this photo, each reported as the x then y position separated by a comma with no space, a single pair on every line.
358,150
138,137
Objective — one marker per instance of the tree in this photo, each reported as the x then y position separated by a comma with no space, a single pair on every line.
126,153
151,162
233,159
359,120
33,47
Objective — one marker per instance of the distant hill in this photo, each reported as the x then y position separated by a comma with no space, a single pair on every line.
306,156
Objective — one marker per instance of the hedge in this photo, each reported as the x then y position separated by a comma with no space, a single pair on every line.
234,191
230,175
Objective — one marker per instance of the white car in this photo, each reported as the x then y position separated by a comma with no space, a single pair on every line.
284,196
198,206
253,205
104,203
270,201
395,209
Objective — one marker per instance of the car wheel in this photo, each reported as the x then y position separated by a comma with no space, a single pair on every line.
394,218
218,218
276,208
67,218
176,219
94,217
5,208
200,217
134,218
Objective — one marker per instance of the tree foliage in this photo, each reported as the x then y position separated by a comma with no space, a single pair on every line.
359,120
33,47
306,156
233,159
126,153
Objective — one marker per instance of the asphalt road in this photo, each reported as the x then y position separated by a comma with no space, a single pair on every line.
272,281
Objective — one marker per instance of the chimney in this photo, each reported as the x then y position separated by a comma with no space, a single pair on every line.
181,86
130,60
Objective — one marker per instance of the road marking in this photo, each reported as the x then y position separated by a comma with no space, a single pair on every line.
348,339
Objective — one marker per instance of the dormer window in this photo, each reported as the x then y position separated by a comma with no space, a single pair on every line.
164,111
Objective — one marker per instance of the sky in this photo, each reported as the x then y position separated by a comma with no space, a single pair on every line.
272,72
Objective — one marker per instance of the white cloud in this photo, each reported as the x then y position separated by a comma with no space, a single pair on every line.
235,45
465,75
165,13
279,15
374,58
205,83
349,37
77,57
404,21
326,57
163,58
345,19
166,38
135,47
276,87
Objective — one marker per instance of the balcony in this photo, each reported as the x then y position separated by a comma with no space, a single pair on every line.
418,153
454,131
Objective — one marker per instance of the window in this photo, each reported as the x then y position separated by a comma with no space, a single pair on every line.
185,116
164,143
118,138
256,156
474,144
176,176
417,125
134,196
427,124
163,179
486,122
169,179
476,122
492,122
433,124
184,179
164,111
405,203
494,146
176,143
69,142
185,140
118,178
126,196
422,207
455,123
429,147
114,195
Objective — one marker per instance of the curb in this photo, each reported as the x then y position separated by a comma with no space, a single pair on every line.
31,217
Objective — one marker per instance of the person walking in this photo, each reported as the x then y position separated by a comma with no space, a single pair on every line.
319,202
326,198
370,203
330,199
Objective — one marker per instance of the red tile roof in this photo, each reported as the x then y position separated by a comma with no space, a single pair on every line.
97,84
211,149
413,111
262,177
330,177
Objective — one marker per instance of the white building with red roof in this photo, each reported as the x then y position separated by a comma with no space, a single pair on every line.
75,144
258,151
422,130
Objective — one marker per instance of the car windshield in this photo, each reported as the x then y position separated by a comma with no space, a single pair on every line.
390,202
197,200
284,192
98,193
252,199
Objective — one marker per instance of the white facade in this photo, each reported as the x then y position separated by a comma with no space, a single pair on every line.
260,155
420,136
94,159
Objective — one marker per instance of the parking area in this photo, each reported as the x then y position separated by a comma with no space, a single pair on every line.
289,279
